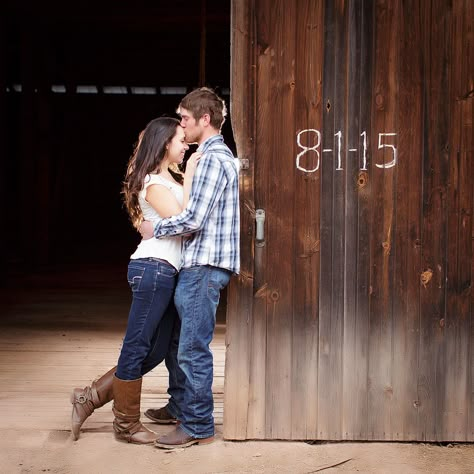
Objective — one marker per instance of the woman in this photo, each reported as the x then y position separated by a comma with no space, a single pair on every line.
153,188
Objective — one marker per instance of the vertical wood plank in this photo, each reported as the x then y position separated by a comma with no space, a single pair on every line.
407,251
436,44
384,105
308,116
327,384
355,338
466,97
332,222
459,224
277,165
258,351
240,291
351,165
340,209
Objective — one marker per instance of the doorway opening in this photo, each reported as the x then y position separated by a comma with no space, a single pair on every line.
77,88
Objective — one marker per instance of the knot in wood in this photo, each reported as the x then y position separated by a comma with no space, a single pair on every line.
379,101
275,295
362,179
426,277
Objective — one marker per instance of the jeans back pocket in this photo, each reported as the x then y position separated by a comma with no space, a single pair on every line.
135,276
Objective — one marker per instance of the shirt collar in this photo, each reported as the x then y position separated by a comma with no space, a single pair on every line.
207,143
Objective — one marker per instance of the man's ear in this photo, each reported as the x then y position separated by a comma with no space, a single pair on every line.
206,120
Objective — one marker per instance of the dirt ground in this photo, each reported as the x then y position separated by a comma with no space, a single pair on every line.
98,452
59,337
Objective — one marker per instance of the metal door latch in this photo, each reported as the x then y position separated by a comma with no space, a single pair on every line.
244,163
260,220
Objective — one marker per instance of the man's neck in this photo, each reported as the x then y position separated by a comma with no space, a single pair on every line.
208,134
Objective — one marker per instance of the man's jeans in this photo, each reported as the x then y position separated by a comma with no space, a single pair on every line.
196,298
151,318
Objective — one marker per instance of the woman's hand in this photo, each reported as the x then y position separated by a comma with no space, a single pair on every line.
191,164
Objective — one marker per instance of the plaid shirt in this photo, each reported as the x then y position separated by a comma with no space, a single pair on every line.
212,217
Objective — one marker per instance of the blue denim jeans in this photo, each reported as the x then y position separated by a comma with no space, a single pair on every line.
176,376
151,318
197,296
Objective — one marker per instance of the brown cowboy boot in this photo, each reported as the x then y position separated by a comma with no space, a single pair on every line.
86,400
126,409
179,439
161,415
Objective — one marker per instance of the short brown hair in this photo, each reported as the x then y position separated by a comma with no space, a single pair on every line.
205,101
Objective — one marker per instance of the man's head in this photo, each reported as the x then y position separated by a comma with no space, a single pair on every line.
202,114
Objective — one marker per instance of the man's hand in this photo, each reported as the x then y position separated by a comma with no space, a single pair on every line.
146,230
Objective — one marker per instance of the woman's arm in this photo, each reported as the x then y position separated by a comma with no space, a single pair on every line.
163,200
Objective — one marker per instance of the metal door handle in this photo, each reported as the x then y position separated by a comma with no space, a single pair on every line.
260,234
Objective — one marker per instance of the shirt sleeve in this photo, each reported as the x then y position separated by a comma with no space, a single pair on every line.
208,185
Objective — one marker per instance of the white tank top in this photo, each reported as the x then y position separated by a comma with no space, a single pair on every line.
166,248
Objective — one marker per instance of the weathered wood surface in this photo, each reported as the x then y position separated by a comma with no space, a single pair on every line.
239,348
61,331
362,315
305,330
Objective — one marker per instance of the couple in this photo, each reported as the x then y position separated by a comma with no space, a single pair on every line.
188,223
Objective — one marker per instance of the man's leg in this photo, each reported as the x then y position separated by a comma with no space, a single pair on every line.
197,298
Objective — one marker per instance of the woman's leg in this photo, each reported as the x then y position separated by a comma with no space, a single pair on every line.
152,285
160,344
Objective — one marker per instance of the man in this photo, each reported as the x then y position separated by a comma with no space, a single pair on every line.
211,255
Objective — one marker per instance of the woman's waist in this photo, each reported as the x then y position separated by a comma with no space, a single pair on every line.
159,249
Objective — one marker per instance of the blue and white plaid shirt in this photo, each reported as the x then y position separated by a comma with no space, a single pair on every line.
212,217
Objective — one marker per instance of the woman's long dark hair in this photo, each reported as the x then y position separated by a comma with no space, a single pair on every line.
147,157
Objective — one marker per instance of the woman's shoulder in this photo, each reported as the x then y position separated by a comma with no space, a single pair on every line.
155,179
158,179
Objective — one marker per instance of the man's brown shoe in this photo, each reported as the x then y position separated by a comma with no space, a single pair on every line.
179,439
160,415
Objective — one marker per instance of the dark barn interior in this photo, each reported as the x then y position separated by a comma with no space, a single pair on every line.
78,85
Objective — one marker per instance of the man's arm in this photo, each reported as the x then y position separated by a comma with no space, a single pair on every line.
208,184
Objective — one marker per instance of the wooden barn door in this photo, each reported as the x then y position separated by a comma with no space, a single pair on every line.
353,315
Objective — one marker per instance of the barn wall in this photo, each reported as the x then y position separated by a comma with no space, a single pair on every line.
354,319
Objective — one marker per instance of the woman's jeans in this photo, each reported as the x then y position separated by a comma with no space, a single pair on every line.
151,318
196,299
